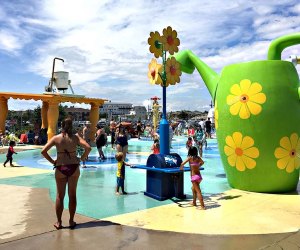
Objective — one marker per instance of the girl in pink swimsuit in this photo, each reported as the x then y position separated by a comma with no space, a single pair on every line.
195,162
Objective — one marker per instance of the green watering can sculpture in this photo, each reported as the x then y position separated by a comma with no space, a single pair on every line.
257,118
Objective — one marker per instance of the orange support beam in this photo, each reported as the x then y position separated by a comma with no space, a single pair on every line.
3,113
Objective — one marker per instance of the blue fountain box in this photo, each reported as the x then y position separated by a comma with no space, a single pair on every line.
164,178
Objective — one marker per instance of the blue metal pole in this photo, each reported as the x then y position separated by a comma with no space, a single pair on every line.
164,127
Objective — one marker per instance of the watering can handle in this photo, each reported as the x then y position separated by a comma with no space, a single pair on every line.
279,44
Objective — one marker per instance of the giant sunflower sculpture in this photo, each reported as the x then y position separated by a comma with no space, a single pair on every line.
169,71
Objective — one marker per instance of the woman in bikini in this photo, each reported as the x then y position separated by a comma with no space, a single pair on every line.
121,141
66,168
195,162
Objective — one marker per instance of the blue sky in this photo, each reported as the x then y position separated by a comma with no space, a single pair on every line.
104,43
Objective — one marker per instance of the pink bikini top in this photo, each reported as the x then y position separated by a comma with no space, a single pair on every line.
195,164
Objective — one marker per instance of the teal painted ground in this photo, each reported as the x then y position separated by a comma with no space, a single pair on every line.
96,186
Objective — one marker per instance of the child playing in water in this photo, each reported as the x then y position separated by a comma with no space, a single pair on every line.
10,153
195,162
199,139
121,172
155,147
189,143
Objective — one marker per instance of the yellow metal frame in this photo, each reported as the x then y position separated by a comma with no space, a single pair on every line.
49,112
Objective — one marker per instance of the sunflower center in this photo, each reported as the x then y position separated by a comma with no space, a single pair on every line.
239,151
157,44
153,74
244,98
170,40
172,70
293,153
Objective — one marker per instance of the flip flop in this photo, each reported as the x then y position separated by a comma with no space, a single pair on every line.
57,226
73,226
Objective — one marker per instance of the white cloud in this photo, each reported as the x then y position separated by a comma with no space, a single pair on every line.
104,43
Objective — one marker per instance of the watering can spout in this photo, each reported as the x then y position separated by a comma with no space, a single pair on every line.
189,61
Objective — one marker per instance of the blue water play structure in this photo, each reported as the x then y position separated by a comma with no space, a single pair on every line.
164,178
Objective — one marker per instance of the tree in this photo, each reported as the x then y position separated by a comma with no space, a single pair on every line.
62,113
183,115
37,117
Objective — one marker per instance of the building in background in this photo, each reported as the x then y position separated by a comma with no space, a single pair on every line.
78,114
139,113
116,110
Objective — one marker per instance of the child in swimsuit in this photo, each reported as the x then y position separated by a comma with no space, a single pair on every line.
189,143
195,162
199,140
10,153
155,147
121,172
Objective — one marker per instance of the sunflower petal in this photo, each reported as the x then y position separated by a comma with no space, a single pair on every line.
258,98
254,89
294,140
235,108
237,137
254,108
285,143
228,150
297,162
240,165
249,162
236,90
230,142
244,112
232,159
247,142
291,165
232,99
252,152
281,163
281,153
245,85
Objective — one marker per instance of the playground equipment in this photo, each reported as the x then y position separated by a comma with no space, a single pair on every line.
164,74
163,169
59,79
257,118
51,99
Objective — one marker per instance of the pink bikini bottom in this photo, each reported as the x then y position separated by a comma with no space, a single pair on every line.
68,170
196,178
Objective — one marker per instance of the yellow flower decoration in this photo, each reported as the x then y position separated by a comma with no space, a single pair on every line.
170,40
154,69
155,44
173,71
216,115
240,151
246,99
288,153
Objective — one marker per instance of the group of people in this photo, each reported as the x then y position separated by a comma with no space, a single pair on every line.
67,163
119,138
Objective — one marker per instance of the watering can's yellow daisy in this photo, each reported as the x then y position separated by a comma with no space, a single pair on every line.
169,40
216,115
173,71
288,153
154,69
245,99
155,44
240,151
